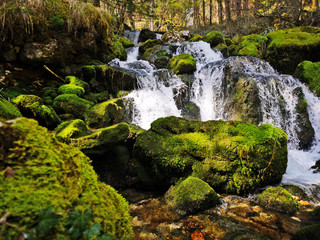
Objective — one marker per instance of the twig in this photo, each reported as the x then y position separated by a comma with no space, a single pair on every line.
54,74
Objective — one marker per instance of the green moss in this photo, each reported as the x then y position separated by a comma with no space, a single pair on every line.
104,114
71,129
253,45
230,156
214,38
149,44
192,195
71,104
52,174
183,63
126,43
307,233
279,199
309,73
119,50
33,107
8,110
196,38
74,86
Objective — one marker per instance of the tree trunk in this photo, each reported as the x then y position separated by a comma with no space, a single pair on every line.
195,13
122,12
228,10
211,7
220,11
151,14
96,3
317,4
238,8
204,12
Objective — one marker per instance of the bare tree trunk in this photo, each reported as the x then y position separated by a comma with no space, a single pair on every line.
151,18
96,3
238,8
122,13
220,11
204,12
228,10
211,7
196,13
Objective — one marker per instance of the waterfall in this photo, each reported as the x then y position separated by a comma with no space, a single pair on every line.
216,89
132,35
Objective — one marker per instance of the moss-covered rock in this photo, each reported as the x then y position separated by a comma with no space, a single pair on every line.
309,73
118,50
74,86
253,45
172,37
110,79
183,63
146,34
102,139
71,129
307,233
149,44
32,106
196,38
71,104
8,110
191,195
158,55
105,114
279,199
126,43
288,47
230,156
46,173
213,38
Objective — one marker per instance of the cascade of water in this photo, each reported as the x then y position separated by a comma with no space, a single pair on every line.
214,80
132,35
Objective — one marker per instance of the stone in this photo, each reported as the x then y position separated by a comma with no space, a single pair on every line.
146,34
183,63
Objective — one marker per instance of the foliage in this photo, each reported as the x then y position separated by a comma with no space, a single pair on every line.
279,199
48,173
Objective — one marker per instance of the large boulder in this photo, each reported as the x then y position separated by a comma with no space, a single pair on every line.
8,110
71,129
253,45
235,157
191,195
288,47
107,78
146,34
214,38
39,172
32,106
183,63
74,86
158,55
148,44
309,73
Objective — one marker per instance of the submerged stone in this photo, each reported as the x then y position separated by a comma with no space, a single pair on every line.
191,195
52,174
234,157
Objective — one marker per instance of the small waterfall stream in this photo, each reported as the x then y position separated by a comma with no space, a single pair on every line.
212,82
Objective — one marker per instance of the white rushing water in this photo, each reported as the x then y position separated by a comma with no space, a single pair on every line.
159,90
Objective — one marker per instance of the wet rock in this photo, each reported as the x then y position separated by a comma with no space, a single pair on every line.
158,55
316,167
146,34
183,63
149,44
191,111
213,38
309,73
175,36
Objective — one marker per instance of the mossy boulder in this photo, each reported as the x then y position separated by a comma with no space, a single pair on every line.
279,199
71,104
288,47
46,173
183,63
234,157
126,43
74,86
253,45
146,34
307,233
191,195
213,38
172,37
8,110
158,55
196,38
149,44
118,50
71,129
32,106
309,73
110,79
305,130
102,139
105,114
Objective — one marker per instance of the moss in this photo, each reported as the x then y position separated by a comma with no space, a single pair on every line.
71,129
119,50
192,195
316,213
231,156
97,97
213,38
126,43
103,139
309,73
196,38
253,45
48,173
74,86
183,63
149,44
71,104
288,47
279,199
105,114
49,93
307,233
8,110
158,55
33,107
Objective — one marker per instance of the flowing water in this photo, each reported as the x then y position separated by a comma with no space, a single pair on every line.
159,90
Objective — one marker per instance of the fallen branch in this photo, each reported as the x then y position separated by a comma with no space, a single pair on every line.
54,74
